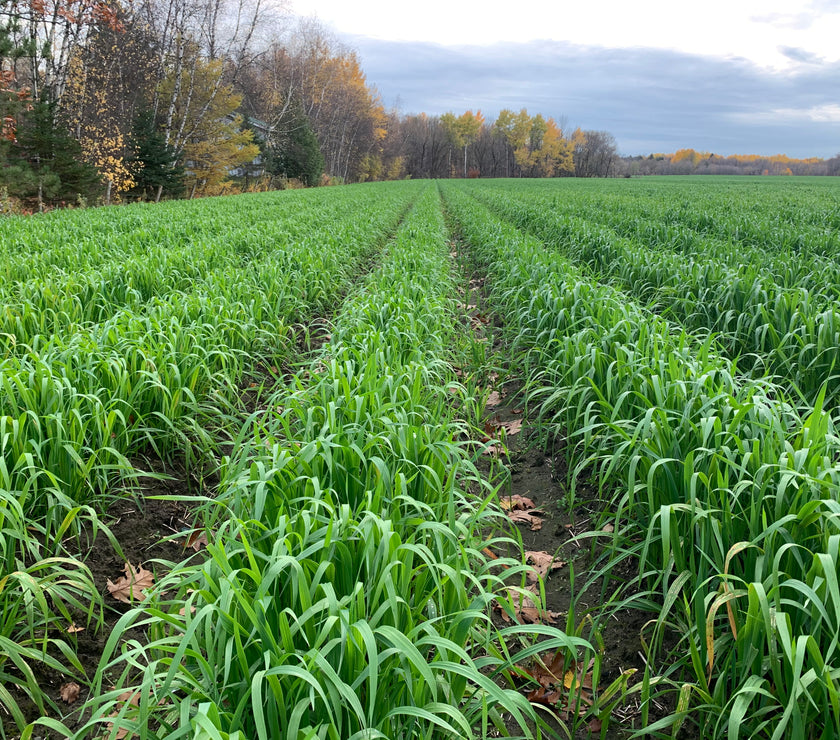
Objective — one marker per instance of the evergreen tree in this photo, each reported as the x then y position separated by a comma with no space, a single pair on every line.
298,154
153,163
44,163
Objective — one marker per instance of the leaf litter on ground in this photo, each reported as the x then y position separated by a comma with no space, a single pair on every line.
522,510
526,607
196,539
561,685
69,691
541,564
132,586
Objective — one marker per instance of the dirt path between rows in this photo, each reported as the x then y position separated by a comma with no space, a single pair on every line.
537,470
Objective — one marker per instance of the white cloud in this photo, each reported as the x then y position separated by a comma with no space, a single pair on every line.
750,29
828,113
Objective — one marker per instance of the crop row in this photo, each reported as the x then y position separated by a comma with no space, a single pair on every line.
791,331
719,491
344,592
751,216
74,408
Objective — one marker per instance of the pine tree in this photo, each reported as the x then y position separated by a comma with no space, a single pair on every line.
153,163
45,162
298,154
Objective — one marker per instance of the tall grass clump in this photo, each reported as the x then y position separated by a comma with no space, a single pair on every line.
345,592
778,312
125,333
161,371
721,493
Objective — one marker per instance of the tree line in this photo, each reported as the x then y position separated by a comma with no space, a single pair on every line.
110,100
691,162
128,99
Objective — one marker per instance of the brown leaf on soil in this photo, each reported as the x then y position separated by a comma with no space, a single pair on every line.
494,399
541,564
512,427
533,518
492,377
526,608
548,669
608,528
73,629
494,450
516,411
561,685
69,692
544,696
133,698
515,502
196,540
131,586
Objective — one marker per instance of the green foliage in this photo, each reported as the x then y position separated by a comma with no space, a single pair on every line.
345,592
45,163
346,588
716,487
297,154
128,330
153,163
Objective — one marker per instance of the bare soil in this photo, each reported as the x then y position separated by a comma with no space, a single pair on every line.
150,532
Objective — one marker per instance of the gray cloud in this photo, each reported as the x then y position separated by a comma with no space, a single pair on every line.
801,55
650,99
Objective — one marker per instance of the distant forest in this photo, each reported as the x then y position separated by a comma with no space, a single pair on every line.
115,100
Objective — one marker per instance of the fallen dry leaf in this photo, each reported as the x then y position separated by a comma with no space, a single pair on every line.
491,428
608,528
196,540
514,502
541,564
131,587
494,450
133,698
512,427
73,629
516,411
69,692
545,696
560,685
533,518
494,399
526,608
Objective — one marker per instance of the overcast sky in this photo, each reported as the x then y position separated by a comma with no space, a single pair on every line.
728,76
